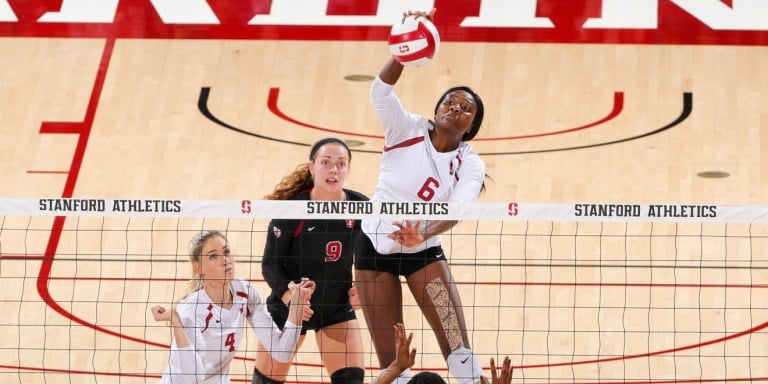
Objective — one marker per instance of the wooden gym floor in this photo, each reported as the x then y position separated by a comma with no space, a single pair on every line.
564,123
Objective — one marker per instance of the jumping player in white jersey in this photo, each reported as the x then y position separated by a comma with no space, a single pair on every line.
423,161
208,323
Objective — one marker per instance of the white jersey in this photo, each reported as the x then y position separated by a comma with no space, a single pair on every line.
413,171
215,332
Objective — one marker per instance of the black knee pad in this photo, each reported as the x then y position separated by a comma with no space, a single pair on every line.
259,378
349,375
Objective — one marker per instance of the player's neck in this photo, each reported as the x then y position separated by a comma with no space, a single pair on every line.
316,194
220,294
443,143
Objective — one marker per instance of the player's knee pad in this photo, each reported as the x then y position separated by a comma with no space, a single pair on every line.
260,378
464,366
349,375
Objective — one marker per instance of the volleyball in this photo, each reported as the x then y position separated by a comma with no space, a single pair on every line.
414,41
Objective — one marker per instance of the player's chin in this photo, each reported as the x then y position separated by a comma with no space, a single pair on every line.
333,185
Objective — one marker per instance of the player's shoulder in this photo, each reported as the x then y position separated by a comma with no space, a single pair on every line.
470,158
467,152
193,297
191,302
291,224
240,284
353,195
303,195
243,288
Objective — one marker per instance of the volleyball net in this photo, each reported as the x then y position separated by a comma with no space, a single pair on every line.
572,293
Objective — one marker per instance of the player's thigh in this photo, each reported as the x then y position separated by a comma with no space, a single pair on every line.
381,296
436,293
341,346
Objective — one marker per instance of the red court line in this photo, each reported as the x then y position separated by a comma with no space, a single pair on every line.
618,106
274,94
47,172
623,285
83,130
671,381
486,283
62,127
22,257
75,371
656,353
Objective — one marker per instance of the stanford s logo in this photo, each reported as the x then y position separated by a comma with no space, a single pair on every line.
245,206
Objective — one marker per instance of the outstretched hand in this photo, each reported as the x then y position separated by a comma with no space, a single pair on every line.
405,356
505,377
407,233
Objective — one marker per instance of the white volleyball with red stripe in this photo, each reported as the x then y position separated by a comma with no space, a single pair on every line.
414,41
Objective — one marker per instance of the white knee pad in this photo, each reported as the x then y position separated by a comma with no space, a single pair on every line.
464,366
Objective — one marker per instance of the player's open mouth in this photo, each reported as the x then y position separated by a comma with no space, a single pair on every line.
452,115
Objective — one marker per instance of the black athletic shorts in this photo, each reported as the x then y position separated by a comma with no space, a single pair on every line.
323,316
366,258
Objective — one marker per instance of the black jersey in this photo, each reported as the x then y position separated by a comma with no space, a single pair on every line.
321,250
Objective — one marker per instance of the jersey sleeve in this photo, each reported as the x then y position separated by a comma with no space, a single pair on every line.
393,117
187,365
280,344
471,179
279,238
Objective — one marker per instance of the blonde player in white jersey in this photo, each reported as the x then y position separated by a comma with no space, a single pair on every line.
423,161
208,324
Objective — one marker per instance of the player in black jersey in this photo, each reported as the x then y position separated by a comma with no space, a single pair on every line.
321,251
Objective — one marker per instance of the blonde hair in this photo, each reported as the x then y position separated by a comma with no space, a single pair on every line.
195,250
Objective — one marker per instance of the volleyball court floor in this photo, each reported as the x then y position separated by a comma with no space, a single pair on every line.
163,119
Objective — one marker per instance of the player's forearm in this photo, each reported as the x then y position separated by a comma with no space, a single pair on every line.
182,341
391,71
387,375
295,309
285,346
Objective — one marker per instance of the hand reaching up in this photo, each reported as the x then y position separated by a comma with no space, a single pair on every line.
504,377
405,356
